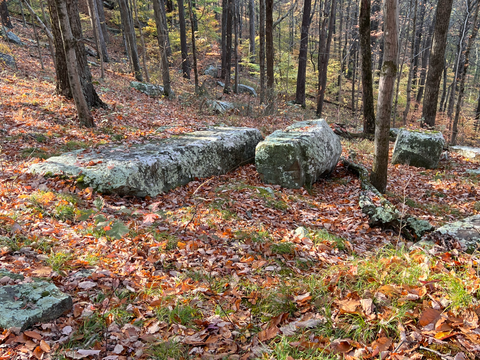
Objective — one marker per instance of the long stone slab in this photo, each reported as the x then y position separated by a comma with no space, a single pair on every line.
298,155
26,304
467,151
156,167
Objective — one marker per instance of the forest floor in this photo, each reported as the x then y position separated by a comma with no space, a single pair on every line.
214,269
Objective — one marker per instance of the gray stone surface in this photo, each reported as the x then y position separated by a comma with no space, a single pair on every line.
299,155
466,232
220,107
245,89
149,89
466,151
419,149
13,276
211,70
26,304
7,59
155,167
14,38
394,132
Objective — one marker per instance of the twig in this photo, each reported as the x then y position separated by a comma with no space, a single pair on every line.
437,353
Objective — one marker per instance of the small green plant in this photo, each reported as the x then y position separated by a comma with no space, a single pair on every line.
74,145
321,236
65,212
168,350
283,248
59,261
180,314
35,153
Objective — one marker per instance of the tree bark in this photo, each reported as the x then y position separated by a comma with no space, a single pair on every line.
410,69
269,50
378,176
5,15
423,70
302,56
463,77
228,50
131,38
262,51
163,45
84,116
251,13
103,21
444,9
194,49
367,78
142,39
183,40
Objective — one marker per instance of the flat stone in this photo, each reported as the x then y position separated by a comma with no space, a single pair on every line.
466,232
418,148
220,107
148,89
14,38
7,59
245,89
299,155
156,167
466,151
26,304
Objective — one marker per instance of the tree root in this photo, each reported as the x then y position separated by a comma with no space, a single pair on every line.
381,212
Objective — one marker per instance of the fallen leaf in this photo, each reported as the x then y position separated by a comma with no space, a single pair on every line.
268,333
429,316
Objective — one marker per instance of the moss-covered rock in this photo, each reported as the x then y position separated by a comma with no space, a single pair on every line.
299,155
418,148
26,304
466,232
155,167
148,89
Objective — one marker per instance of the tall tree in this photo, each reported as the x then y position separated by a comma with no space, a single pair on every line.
324,52
251,14
269,51
84,116
262,50
228,49
97,31
388,73
4,14
162,37
302,55
410,68
183,40
367,78
442,19
463,76
129,31
194,48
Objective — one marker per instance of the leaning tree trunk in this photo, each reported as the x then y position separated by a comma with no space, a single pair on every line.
302,55
131,38
378,176
84,116
367,78
429,112
463,77
163,45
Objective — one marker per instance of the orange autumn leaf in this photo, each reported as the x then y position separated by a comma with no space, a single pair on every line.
429,316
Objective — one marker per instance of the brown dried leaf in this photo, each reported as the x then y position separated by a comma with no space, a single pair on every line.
268,333
429,316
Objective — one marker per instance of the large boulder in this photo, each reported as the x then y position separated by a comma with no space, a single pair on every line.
466,151
418,148
245,89
148,89
299,155
466,232
156,167
26,304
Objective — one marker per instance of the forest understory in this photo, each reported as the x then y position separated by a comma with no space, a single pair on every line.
216,269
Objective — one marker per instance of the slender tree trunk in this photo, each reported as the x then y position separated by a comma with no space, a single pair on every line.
443,100
224,38
251,13
444,9
103,22
302,56
84,116
324,55
385,95
194,49
183,40
461,91
262,51
131,38
144,48
367,79
228,54
423,70
4,14
47,29
235,50
269,50
163,45
418,41
410,67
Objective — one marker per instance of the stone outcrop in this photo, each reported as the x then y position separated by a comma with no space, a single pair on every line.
156,167
467,151
466,232
219,107
211,70
299,155
26,304
419,149
148,89
14,38
245,89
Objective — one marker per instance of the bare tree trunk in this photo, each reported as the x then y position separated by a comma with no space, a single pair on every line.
445,92
461,91
194,49
144,51
302,56
46,29
228,54
410,68
131,38
224,38
269,51
102,46
262,51
183,40
5,15
162,44
423,70
235,30
324,54
84,116
367,79
444,9
103,22
418,41
378,176
251,13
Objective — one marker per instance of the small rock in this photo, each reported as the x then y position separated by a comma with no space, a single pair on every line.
301,232
148,89
14,38
211,70
7,59
245,89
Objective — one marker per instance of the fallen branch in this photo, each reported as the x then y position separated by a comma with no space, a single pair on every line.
385,215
